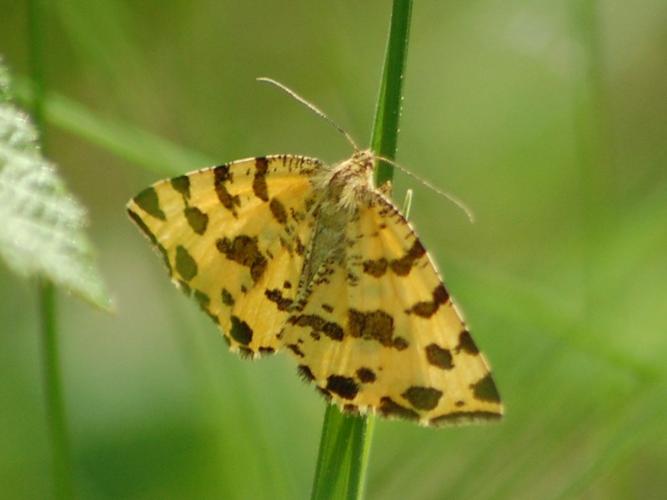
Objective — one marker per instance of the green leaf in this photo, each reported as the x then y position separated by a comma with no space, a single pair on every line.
41,223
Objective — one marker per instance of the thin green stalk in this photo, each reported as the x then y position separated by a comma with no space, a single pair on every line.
384,140
36,63
345,443
360,447
333,441
55,411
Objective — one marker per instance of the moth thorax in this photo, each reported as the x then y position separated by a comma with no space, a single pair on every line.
352,180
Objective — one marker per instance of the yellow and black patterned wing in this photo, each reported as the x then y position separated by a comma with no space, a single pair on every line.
380,333
232,237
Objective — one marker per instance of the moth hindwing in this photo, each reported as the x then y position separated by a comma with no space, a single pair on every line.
283,252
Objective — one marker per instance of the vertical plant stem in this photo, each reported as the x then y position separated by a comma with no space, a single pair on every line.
55,412
333,444
53,394
384,139
361,438
346,440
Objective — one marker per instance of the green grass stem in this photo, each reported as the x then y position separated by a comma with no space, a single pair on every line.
384,140
53,392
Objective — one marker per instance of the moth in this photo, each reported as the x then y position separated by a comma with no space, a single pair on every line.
286,253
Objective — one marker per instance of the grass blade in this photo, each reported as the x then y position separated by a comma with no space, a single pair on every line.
384,140
55,407
55,417
133,144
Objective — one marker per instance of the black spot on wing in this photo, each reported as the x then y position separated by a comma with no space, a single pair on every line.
278,211
427,309
240,331
345,387
422,398
185,264
197,219
182,185
390,408
439,356
222,176
226,297
332,330
374,325
144,228
276,296
318,325
149,202
202,299
296,350
299,246
366,375
400,344
244,250
305,373
466,343
485,389
375,267
204,302
259,186
403,265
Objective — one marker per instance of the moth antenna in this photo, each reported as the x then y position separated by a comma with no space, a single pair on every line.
456,201
310,106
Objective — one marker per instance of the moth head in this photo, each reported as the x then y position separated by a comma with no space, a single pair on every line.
356,171
363,161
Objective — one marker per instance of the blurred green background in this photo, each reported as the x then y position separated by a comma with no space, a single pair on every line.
548,117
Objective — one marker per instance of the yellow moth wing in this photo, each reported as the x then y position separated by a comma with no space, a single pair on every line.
229,234
381,333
